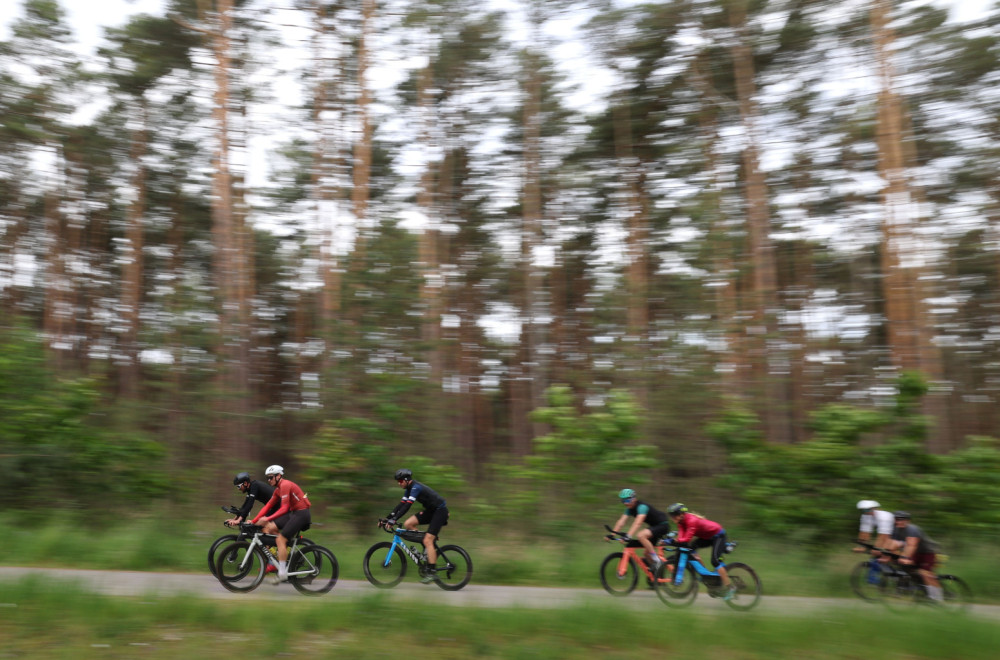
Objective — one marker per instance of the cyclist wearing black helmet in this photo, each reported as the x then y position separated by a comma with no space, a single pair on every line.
434,515
256,491
917,550
659,524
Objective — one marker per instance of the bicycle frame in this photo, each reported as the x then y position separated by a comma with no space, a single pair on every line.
630,554
688,556
257,542
398,542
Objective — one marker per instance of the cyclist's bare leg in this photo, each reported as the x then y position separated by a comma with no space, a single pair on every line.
724,575
932,583
645,537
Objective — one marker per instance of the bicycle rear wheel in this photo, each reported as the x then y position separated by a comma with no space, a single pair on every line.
454,568
747,586
865,580
673,594
240,568
382,570
615,584
957,594
218,543
322,566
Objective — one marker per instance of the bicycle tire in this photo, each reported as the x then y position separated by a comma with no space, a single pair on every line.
322,562
216,544
454,568
382,576
957,594
862,584
747,584
618,585
673,594
233,573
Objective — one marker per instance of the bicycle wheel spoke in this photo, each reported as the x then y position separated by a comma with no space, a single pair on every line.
454,568
313,570
616,582
240,567
382,569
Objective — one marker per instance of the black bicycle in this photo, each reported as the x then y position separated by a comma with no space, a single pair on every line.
901,587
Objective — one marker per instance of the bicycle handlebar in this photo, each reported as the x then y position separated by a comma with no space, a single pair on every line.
871,546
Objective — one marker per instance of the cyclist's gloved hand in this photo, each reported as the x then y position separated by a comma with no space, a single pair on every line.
626,538
390,523
609,537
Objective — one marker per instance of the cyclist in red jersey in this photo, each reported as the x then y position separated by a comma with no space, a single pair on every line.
285,515
699,532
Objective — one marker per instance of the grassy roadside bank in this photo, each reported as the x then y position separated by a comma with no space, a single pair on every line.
151,544
39,620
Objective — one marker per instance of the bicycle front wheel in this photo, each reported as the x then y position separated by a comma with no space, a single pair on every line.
746,584
454,568
865,580
218,543
615,583
322,568
670,592
957,594
381,569
239,567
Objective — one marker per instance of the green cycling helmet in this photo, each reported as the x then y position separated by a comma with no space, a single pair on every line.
626,494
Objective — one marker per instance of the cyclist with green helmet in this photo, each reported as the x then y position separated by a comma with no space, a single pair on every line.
696,531
659,524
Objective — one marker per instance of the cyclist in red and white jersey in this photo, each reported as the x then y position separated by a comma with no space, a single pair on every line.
285,515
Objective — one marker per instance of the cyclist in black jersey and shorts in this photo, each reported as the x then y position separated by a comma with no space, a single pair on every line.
434,515
255,491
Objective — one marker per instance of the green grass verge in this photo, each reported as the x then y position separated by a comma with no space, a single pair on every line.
154,544
39,619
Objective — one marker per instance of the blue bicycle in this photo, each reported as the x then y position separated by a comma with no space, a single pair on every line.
385,562
683,588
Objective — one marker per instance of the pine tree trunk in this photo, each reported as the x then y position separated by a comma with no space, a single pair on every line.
773,397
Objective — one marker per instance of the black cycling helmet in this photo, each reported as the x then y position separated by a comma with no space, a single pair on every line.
404,474
240,478
901,515
676,509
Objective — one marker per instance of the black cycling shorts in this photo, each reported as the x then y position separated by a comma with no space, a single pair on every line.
717,543
434,520
659,531
292,523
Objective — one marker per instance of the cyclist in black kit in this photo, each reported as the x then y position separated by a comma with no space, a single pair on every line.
434,515
256,491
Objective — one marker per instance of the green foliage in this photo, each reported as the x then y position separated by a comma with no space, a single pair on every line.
807,492
50,446
581,451
352,460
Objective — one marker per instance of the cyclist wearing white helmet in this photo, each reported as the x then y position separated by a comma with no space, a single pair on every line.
874,519
659,524
285,515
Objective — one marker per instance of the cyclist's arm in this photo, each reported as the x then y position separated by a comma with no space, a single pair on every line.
621,521
245,509
909,548
271,503
634,529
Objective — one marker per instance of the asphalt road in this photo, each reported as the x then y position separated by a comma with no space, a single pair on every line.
139,583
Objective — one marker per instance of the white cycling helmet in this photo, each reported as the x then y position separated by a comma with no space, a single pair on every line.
273,470
863,505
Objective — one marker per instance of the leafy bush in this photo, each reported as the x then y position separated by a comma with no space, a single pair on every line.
51,446
807,492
